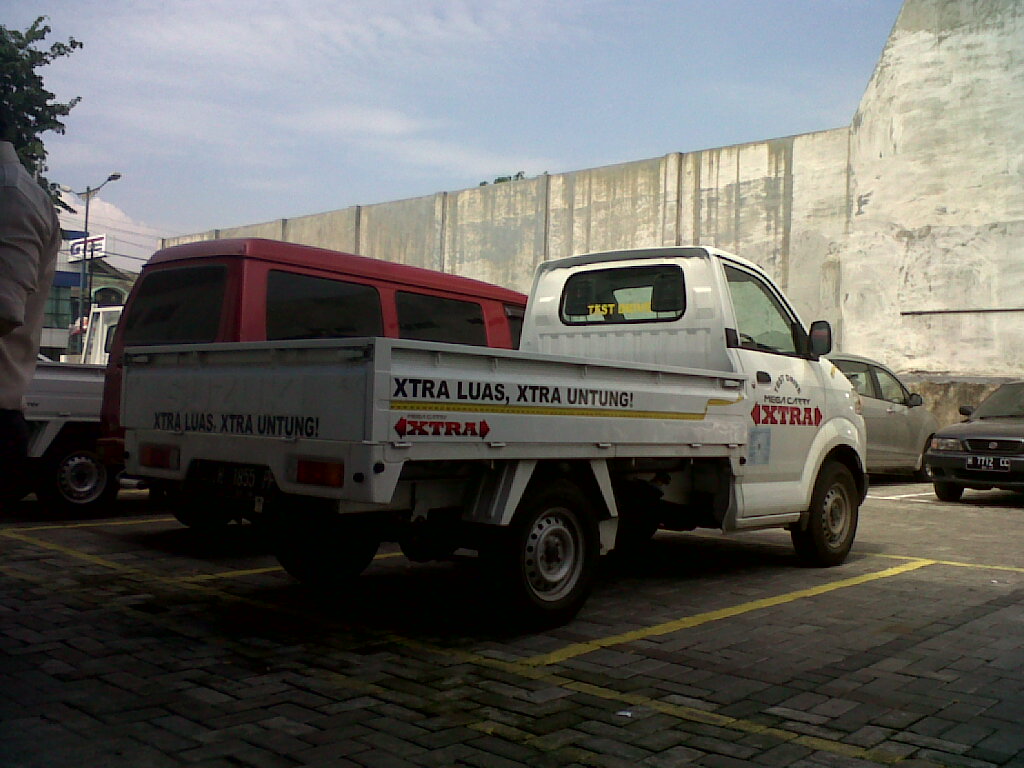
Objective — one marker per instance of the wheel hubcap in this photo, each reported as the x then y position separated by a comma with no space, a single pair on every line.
836,514
552,555
81,479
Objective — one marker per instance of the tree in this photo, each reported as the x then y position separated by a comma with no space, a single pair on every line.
26,107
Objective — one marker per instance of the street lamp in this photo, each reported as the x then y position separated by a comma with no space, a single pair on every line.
85,291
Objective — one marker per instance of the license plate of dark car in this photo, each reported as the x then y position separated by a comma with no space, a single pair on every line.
989,463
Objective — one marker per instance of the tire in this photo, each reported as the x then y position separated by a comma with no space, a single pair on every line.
921,475
190,509
636,528
546,562
72,479
832,518
200,516
948,491
320,547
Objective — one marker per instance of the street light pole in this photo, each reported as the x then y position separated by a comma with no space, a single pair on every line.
85,284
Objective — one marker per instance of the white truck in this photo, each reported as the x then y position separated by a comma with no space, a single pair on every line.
669,388
62,407
93,345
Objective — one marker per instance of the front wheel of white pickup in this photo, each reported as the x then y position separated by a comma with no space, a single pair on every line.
831,518
548,559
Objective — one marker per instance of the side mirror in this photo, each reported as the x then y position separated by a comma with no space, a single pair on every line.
966,410
821,338
915,400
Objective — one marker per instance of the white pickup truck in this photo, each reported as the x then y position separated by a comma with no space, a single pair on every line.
62,407
669,388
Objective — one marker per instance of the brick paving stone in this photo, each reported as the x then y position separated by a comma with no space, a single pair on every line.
782,755
731,748
954,761
660,741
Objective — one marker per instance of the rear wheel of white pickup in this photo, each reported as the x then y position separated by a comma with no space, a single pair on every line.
72,478
832,518
321,548
546,562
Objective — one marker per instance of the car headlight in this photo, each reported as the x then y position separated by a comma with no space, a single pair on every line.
946,444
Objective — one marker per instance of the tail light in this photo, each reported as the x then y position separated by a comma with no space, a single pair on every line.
159,456
320,472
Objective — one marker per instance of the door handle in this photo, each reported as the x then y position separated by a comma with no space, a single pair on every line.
763,377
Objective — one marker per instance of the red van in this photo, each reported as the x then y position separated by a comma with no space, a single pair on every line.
263,290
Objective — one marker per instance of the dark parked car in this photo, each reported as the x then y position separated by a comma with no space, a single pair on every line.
898,425
985,451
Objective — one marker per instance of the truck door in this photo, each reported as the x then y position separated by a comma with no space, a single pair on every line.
786,396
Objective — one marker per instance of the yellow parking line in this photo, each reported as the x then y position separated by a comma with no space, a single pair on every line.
258,571
97,524
579,649
956,563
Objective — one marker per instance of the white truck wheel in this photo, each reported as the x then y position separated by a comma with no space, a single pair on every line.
547,560
832,518
74,479
321,548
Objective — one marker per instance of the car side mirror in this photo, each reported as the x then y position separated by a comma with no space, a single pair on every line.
915,400
966,410
821,338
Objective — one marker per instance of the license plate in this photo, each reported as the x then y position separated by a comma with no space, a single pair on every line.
989,463
237,480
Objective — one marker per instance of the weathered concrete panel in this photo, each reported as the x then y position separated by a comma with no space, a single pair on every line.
272,230
405,231
335,230
497,232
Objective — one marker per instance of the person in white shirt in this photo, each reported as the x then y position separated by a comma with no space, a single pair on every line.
29,241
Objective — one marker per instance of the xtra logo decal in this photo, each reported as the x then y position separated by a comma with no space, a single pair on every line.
429,427
786,414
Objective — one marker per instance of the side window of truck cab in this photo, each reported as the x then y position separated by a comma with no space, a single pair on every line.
762,321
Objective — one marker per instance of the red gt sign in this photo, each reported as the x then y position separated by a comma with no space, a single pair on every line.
786,414
428,427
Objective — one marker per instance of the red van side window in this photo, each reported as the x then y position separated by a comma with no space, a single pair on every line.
432,318
307,307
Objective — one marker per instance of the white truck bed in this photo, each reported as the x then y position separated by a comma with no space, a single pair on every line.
417,401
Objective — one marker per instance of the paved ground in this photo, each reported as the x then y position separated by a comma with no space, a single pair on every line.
131,641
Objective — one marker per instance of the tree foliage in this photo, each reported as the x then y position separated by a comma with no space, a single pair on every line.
27,109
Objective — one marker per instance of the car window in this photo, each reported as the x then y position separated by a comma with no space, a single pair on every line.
309,307
177,306
435,318
859,376
890,387
763,323
1008,400
624,295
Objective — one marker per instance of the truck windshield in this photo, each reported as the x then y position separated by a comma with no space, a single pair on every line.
176,306
624,295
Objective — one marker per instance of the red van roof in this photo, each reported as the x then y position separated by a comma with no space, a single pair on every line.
335,261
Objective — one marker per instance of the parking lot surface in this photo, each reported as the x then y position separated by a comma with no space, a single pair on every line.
132,641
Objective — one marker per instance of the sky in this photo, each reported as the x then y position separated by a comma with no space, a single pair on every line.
220,113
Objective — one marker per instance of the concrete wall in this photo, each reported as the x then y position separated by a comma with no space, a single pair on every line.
905,228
